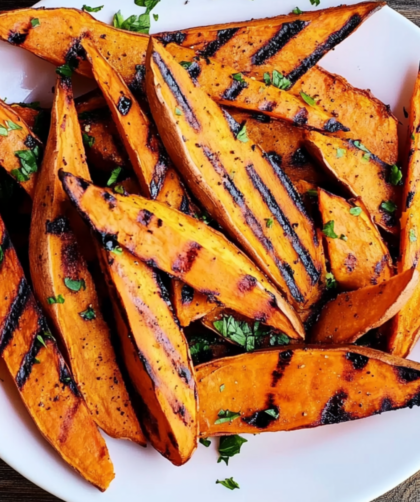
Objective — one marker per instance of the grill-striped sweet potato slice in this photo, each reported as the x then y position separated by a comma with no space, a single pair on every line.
358,256
184,247
405,329
360,172
64,284
302,387
42,377
243,189
20,149
349,316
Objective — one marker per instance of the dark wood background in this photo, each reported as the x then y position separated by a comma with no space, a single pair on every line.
15,488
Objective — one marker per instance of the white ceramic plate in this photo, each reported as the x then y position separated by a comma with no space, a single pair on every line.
351,462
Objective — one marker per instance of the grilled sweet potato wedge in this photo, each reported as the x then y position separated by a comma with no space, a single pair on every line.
405,329
227,87
184,247
63,282
358,256
242,188
302,387
360,172
42,377
349,316
20,149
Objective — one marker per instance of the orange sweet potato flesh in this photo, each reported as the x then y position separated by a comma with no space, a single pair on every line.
55,259
405,329
42,377
363,259
349,316
19,138
185,248
27,114
303,387
361,173
242,188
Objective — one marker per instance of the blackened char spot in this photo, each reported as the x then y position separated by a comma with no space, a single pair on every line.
75,54
185,374
350,263
109,198
334,39
358,361
414,401
300,157
185,205
223,37
386,405
137,84
59,226
67,379
124,105
286,33
173,38
334,125
30,142
246,284
334,412
234,90
16,38
301,117
16,310
262,419
27,363
185,260
187,294
268,106
176,91
288,229
194,71
234,126
285,359
406,375
109,241
159,173
410,197
264,119
144,217
5,244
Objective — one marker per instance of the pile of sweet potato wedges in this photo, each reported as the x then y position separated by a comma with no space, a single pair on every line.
227,208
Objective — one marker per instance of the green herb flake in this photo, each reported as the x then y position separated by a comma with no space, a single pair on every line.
35,22
389,206
222,387
341,152
280,81
1,255
89,141
37,361
86,8
308,99
119,189
273,413
313,192
3,131
65,70
205,442
138,24
12,126
267,79
186,64
229,483
156,17
149,4
226,416
240,332
366,157
114,176
356,211
89,314
315,2
269,222
19,175
229,446
297,11
278,340
35,105
28,162
117,250
56,299
412,235
331,282
395,175
361,146
343,237
41,340
238,77
242,135
328,230
178,112
75,285
413,136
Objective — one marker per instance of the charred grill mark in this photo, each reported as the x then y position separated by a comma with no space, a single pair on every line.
359,362
59,226
27,363
16,310
137,84
410,197
30,142
67,379
110,199
386,405
239,199
333,412
67,423
124,105
261,419
301,117
75,54
406,375
223,37
176,91
333,40
234,90
260,117
288,229
285,359
159,174
234,126
286,33
109,241
246,284
187,294
334,126
185,205
267,106
185,260
185,374
144,217
299,158
173,38
194,71
16,38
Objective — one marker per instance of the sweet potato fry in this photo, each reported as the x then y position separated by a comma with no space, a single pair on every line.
361,173
64,284
302,387
349,316
184,247
242,188
358,256
42,377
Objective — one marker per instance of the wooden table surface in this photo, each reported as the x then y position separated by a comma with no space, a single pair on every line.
15,488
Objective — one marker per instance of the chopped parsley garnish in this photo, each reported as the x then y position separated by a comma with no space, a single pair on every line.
242,135
389,206
395,176
205,442
328,230
331,282
119,189
75,285
89,141
315,2
296,11
3,131
277,80
156,17
240,332
226,416
341,152
238,77
41,340
412,235
65,70
366,157
308,99
185,64
19,175
356,211
55,299
117,250
413,136
178,112
1,255
29,163
114,176
139,24
12,126
229,483
204,217
230,446
92,9
35,22
37,361
273,413
343,237
361,146
277,340
89,314
313,192
222,387
269,222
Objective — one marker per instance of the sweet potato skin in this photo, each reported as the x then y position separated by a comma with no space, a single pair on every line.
151,231
304,387
55,258
349,316
361,260
46,388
